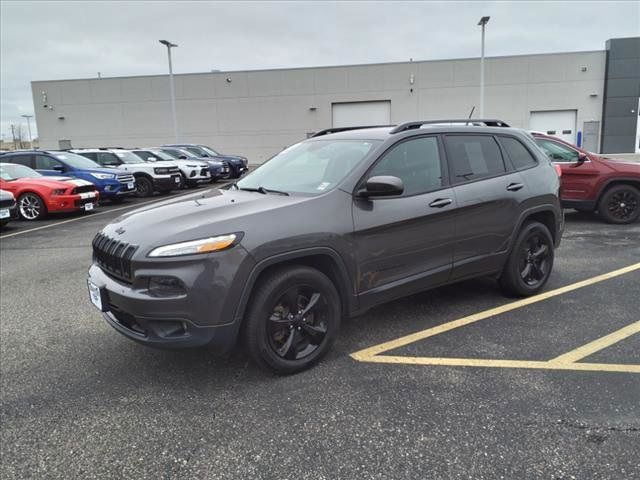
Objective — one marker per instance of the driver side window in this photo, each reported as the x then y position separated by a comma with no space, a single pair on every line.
557,152
416,162
47,163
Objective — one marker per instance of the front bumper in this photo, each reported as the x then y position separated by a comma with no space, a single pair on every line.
71,203
169,182
204,314
117,189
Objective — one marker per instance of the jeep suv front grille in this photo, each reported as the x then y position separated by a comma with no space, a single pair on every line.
173,170
113,256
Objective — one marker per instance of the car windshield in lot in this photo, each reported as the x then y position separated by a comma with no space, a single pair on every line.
76,161
311,167
162,155
210,151
128,157
13,172
176,153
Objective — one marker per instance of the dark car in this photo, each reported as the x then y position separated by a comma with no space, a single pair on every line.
217,169
362,217
591,182
7,207
114,185
238,165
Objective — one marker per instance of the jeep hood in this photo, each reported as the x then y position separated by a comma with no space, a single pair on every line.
209,213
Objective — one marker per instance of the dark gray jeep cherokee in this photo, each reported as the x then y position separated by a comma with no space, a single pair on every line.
328,228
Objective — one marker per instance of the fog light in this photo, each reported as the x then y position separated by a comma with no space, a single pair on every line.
166,287
193,173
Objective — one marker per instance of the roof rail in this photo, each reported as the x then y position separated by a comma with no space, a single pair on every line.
327,131
487,122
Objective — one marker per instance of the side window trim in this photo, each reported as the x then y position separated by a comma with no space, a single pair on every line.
443,166
507,170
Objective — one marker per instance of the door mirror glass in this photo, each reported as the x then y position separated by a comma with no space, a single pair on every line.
58,168
151,159
382,186
582,157
182,157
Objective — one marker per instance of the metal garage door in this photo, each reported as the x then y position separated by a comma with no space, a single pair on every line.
559,123
361,113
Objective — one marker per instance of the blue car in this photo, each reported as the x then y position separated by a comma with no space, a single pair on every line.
112,184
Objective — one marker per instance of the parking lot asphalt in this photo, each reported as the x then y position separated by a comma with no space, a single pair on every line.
78,400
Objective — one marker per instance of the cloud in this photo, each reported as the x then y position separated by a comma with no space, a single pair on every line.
54,40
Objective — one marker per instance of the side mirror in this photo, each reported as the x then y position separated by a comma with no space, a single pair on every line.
582,157
182,157
58,168
206,155
151,159
382,186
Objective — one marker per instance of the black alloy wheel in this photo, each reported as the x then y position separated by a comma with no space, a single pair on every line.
144,187
530,261
297,324
292,319
534,259
620,204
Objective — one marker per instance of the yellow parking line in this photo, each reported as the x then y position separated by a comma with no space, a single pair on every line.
526,364
597,345
367,353
93,215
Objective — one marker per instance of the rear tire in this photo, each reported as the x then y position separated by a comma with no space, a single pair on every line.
144,187
292,320
530,261
620,204
31,207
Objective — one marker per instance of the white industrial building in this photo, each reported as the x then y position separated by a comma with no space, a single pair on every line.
257,113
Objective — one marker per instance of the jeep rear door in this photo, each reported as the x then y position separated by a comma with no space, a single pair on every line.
405,243
488,196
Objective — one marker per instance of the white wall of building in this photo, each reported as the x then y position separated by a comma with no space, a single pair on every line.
257,113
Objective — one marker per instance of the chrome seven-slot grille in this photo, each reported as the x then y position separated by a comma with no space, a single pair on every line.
113,256
125,178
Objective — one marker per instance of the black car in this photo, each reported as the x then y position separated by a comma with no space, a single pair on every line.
362,217
238,165
7,207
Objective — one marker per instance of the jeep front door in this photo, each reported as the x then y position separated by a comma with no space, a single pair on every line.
404,243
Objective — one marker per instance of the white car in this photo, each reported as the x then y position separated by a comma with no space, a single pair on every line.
194,172
150,177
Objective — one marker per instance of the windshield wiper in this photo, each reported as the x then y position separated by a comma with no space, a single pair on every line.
262,190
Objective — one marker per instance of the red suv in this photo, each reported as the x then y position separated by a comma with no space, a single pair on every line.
594,183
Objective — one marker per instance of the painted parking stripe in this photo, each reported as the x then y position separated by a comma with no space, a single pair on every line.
93,215
566,361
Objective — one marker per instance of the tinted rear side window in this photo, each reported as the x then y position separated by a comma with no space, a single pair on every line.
473,156
518,153
19,159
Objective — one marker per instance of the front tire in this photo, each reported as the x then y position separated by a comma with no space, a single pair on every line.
620,204
530,261
292,320
144,187
31,207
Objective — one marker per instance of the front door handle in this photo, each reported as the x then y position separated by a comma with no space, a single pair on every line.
514,187
441,202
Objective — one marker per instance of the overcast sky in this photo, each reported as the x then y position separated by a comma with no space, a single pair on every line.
55,40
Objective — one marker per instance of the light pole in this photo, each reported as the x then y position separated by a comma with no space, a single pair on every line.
169,45
29,117
483,21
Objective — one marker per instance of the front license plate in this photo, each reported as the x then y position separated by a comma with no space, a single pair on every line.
95,296
176,179
88,207
130,185
4,213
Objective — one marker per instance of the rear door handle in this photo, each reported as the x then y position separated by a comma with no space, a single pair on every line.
441,202
514,187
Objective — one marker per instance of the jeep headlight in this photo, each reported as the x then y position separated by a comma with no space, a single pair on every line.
103,176
161,170
204,245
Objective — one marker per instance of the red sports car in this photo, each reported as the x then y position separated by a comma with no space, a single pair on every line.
591,182
37,195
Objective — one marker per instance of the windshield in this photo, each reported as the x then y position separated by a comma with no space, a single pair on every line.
309,167
198,152
76,161
210,151
10,172
177,153
162,155
128,157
